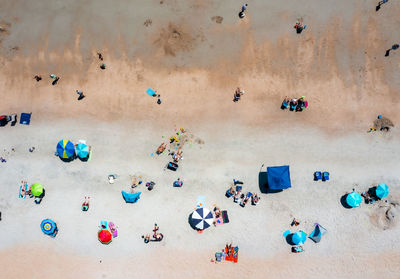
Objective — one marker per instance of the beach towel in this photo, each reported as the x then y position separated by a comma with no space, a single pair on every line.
104,224
151,92
113,229
25,118
225,217
20,189
201,201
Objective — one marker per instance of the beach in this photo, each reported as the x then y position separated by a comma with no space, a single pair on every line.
195,64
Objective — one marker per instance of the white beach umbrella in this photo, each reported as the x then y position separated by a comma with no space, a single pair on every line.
202,218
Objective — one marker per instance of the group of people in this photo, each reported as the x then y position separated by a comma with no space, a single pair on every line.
156,235
239,197
294,104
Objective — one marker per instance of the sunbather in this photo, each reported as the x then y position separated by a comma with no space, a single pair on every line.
217,212
295,222
245,200
255,199
135,181
237,95
85,204
161,148
237,195
146,238
178,155
285,103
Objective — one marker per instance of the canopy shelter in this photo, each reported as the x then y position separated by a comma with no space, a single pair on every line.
382,191
353,199
317,233
202,218
82,150
131,197
278,178
48,227
298,238
104,236
37,189
65,149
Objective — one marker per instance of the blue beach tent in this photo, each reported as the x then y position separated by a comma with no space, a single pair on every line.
278,178
131,198
317,233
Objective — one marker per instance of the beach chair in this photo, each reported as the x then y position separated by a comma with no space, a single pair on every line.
317,175
25,118
325,176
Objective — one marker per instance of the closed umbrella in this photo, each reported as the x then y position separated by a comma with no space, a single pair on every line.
202,218
354,199
298,238
48,226
82,150
104,236
65,149
382,191
37,189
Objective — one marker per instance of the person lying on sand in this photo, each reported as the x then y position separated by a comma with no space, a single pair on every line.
136,181
255,199
146,238
161,148
178,155
217,212
237,195
245,200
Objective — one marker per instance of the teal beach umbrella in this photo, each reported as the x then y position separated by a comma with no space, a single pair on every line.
382,191
298,238
82,150
354,199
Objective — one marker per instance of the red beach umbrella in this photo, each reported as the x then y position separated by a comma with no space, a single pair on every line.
105,236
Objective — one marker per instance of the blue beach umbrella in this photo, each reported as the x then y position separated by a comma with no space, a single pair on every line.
48,226
82,150
65,149
298,238
354,199
202,218
382,191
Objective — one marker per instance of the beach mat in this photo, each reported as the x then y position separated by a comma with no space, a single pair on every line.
200,201
151,92
225,217
25,118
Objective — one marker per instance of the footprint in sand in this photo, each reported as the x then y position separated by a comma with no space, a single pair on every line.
217,19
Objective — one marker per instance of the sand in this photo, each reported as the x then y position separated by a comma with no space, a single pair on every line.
195,63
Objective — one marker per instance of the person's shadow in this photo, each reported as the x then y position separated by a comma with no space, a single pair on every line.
388,52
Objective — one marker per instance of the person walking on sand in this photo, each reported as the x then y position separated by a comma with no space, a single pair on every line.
238,93
299,26
38,78
80,93
380,3
244,7
394,47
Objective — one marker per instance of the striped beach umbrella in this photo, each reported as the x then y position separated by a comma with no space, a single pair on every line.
37,189
104,236
202,218
354,199
382,191
48,226
82,150
298,238
65,149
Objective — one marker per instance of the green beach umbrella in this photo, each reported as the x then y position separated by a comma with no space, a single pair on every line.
37,189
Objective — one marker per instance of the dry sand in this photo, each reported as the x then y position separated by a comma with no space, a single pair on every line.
195,63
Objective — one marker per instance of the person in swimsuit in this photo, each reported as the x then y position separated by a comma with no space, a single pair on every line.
85,204
161,148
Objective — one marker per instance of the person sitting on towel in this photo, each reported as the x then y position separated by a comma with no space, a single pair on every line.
161,148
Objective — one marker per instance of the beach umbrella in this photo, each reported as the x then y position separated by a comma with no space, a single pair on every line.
65,149
82,150
202,218
37,189
298,238
354,199
104,236
48,226
382,191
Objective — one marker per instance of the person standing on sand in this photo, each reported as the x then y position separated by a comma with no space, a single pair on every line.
80,93
244,7
299,26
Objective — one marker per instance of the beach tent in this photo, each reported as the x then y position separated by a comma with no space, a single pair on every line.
353,199
48,227
317,233
131,198
278,178
298,238
37,189
382,191
202,218
82,150
65,149
104,236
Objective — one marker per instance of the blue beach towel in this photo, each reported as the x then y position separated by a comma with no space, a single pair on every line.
151,92
200,201
25,118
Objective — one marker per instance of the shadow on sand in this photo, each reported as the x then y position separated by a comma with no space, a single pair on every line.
263,184
344,203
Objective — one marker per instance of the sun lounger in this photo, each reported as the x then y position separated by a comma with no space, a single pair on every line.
317,175
325,176
224,215
25,118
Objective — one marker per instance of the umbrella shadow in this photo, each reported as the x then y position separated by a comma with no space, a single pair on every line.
67,160
263,182
190,221
344,202
289,240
